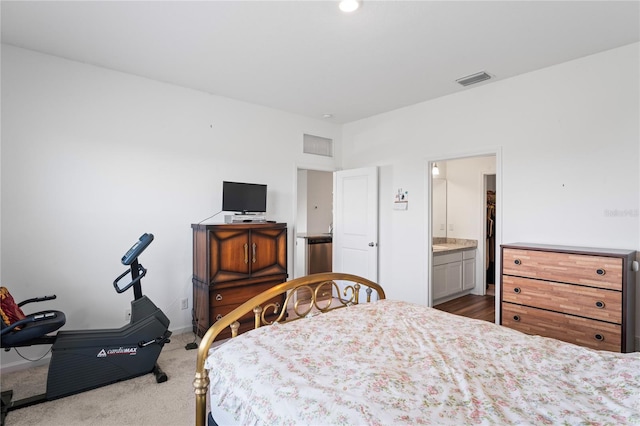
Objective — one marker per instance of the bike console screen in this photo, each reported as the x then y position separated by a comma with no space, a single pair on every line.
137,249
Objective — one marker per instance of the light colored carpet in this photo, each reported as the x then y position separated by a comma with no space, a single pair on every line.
138,401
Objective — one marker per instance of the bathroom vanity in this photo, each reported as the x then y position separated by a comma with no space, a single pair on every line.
454,269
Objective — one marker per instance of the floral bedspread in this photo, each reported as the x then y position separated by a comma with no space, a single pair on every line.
396,363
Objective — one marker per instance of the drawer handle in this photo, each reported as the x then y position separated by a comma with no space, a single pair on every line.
599,337
599,304
517,262
246,253
218,297
517,290
516,317
219,317
601,271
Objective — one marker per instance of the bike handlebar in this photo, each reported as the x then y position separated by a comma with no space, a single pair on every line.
141,271
137,271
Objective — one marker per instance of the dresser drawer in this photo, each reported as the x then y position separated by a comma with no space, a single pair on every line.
590,302
237,295
589,270
220,311
580,331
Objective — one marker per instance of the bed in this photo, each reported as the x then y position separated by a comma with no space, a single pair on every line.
363,359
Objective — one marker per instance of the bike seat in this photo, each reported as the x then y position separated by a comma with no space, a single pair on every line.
32,329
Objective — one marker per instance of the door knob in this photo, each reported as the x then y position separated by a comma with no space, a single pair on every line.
372,244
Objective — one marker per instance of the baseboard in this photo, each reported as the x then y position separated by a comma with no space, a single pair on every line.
637,343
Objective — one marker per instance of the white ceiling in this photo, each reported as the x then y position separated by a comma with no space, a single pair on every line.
309,58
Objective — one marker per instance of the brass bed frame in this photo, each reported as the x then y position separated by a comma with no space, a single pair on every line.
311,284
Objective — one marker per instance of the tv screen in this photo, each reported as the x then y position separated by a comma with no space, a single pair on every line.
244,197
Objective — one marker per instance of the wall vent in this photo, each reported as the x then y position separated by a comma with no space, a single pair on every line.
473,78
317,145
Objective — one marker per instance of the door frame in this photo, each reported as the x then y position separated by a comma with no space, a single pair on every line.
428,246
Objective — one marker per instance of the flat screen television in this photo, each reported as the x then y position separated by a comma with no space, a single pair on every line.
244,197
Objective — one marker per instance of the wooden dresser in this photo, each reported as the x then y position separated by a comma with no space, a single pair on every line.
231,264
580,295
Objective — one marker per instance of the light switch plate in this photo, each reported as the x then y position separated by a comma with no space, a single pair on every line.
401,205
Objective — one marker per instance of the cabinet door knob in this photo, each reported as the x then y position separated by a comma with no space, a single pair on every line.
599,337
219,317
599,304
517,262
218,297
253,247
246,253
516,317
601,271
517,290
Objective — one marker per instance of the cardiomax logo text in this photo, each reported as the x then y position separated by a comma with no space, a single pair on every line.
119,351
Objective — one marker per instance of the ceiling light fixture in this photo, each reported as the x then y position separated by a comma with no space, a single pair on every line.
349,6
434,170
327,116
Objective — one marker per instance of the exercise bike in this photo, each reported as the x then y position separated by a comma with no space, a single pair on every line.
86,359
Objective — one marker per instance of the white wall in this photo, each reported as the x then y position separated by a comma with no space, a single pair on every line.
93,158
301,193
319,201
315,201
567,139
466,205
465,196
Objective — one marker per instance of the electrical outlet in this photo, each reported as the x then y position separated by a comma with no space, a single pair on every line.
127,315
184,304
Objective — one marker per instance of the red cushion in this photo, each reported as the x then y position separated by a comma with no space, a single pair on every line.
9,309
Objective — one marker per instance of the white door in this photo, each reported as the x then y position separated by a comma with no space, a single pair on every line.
355,222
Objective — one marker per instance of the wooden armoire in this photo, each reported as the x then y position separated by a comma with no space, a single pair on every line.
231,264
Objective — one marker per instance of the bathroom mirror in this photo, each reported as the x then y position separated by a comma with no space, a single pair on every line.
439,208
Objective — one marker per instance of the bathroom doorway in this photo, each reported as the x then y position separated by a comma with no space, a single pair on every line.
469,216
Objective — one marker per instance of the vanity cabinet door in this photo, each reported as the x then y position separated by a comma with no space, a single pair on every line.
468,274
453,273
454,277
439,281
447,274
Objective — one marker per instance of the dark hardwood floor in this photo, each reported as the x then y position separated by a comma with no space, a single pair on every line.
472,306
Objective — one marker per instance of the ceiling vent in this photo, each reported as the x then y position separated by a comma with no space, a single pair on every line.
473,78
317,145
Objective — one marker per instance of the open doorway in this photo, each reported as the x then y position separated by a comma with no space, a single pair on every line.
313,224
468,228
